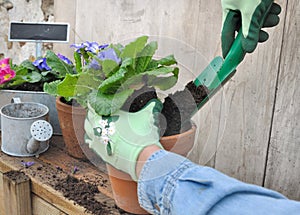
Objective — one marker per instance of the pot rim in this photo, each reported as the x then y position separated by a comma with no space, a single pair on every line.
191,130
66,106
25,91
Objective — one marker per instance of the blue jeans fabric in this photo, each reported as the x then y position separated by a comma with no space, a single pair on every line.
171,184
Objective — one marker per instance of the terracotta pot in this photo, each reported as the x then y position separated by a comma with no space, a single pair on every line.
71,120
125,189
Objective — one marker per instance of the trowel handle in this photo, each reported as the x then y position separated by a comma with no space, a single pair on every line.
234,57
236,53
220,71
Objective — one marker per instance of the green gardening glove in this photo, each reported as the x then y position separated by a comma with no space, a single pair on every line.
119,139
249,15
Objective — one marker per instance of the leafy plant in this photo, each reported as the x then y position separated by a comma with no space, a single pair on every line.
14,75
107,76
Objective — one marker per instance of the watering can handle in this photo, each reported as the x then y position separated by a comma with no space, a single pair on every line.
15,100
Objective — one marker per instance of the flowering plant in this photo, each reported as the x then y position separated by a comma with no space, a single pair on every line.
6,73
106,75
13,76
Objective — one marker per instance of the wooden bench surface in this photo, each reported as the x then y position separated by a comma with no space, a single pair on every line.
56,164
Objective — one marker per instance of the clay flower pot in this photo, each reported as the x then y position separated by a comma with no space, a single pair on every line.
71,120
125,189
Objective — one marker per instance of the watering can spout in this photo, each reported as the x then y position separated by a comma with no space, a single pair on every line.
41,130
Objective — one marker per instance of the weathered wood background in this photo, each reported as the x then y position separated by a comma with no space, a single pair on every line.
249,130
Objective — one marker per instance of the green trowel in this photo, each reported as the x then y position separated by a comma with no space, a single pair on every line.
220,70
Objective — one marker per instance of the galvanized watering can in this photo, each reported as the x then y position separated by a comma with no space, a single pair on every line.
25,128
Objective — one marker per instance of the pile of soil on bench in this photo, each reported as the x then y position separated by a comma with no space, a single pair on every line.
82,193
177,107
16,176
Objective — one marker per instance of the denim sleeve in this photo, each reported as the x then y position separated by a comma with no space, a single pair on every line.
171,184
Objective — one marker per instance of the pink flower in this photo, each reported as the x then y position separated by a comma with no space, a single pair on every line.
4,63
6,74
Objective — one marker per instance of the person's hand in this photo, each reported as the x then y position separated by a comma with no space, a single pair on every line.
248,15
120,138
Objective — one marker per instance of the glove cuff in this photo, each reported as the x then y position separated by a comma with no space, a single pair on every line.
129,166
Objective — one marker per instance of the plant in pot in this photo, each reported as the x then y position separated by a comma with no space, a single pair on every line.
25,80
117,77
71,113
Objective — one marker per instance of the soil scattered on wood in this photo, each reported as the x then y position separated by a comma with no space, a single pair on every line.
16,176
82,193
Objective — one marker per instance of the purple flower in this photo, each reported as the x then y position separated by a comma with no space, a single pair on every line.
103,46
93,47
41,64
94,64
109,54
77,46
27,164
65,59
75,170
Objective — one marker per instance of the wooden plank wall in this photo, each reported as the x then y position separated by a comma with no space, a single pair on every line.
250,129
283,164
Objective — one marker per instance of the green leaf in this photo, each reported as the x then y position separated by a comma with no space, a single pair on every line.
67,87
21,71
145,56
132,49
51,88
58,65
78,63
86,83
162,78
18,80
109,66
113,83
167,61
161,71
85,55
33,77
106,105
28,65
117,47
46,73
162,83
153,65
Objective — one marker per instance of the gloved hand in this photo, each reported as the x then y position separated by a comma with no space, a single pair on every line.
247,14
120,138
